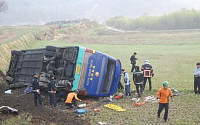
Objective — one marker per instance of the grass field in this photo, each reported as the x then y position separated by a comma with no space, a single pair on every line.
173,56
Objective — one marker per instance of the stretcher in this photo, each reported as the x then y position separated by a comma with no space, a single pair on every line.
114,107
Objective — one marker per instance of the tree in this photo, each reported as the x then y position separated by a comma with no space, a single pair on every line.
3,6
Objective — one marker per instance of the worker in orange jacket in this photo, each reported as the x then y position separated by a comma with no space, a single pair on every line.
71,99
163,99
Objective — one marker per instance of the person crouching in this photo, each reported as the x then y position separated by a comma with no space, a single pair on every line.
71,99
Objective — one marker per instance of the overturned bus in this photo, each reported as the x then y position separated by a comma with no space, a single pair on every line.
92,72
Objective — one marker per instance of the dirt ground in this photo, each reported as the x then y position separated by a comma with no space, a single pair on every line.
39,115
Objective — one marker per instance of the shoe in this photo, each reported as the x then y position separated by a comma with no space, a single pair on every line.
165,120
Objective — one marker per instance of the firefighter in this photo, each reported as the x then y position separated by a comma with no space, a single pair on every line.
133,61
138,80
36,90
163,99
71,99
197,78
127,83
52,90
148,73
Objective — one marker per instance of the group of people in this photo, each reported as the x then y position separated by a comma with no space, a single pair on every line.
140,77
70,100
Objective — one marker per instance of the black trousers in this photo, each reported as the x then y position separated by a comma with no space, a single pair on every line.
145,80
133,67
52,99
161,107
120,86
139,89
73,104
37,97
197,85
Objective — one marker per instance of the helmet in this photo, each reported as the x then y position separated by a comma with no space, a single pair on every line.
35,74
165,83
134,53
51,75
146,61
76,91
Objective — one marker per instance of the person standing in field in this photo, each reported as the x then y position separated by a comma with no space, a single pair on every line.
133,61
163,99
148,73
138,80
52,90
36,90
197,78
127,83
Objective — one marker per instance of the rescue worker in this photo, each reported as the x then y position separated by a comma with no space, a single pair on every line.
197,78
127,83
138,80
133,61
36,90
71,99
52,90
163,99
148,73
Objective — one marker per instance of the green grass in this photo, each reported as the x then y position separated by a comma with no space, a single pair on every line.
173,56
23,119
171,62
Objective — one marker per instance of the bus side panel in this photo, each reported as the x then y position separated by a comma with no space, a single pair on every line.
95,74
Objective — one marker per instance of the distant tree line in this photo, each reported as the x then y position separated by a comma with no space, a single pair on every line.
3,6
183,19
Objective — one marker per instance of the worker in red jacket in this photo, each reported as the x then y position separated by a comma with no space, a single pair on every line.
163,99
148,73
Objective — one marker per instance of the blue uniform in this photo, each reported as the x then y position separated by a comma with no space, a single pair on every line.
52,91
36,90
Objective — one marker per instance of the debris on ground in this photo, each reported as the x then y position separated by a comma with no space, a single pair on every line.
8,91
81,111
119,96
95,110
45,115
102,123
140,103
135,100
175,92
7,109
114,107
151,99
28,90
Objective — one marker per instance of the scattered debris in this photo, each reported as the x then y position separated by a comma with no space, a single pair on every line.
114,107
81,111
28,90
136,100
151,99
95,110
7,109
140,103
175,92
119,96
82,105
8,91
102,123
